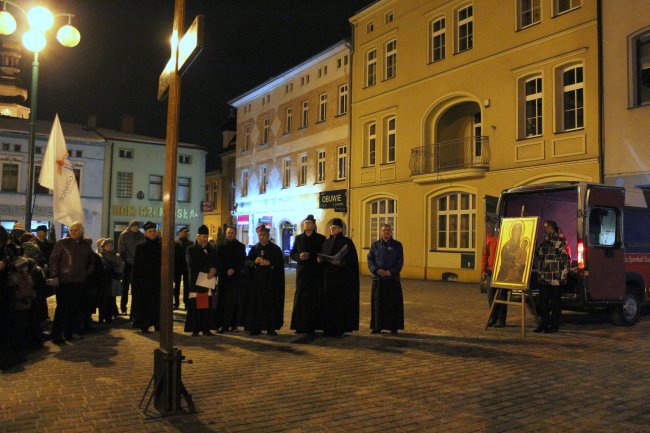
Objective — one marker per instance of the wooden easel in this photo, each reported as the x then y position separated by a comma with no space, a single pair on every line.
525,294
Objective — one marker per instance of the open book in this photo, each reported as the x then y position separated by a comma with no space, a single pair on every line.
336,258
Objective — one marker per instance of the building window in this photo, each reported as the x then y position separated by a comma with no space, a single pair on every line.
345,60
215,194
247,137
288,122
77,176
184,159
78,153
530,12
438,39
155,187
305,114
10,177
382,211
572,98
389,143
641,68
266,130
371,144
465,30
126,153
370,27
562,6
184,193
244,183
17,148
532,112
389,17
38,150
321,166
286,173
124,184
302,173
6,147
338,63
391,59
371,67
456,215
341,162
263,179
343,99
38,188
207,192
322,107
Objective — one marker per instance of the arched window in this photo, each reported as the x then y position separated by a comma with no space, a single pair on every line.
455,221
382,211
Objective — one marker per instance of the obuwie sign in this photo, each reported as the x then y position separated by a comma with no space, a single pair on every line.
334,199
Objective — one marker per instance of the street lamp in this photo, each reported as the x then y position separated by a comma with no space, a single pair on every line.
40,20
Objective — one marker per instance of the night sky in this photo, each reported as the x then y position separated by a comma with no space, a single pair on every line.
124,47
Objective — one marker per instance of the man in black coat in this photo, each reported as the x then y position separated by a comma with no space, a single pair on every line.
309,278
265,286
180,267
145,282
232,259
340,299
201,258
44,245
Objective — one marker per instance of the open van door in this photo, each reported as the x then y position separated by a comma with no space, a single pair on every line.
603,246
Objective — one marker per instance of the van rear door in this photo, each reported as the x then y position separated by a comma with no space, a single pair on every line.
605,258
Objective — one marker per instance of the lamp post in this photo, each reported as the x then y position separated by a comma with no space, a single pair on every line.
40,20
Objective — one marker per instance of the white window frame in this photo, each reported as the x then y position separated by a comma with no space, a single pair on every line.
343,99
389,17
468,24
128,180
390,59
155,194
390,139
443,218
342,162
531,11
438,39
528,116
2,170
639,69
184,183
322,107
371,144
371,67
381,211
370,27
286,172
302,170
244,183
578,90
572,5
321,166
304,121
266,130
264,178
185,159
288,120
125,153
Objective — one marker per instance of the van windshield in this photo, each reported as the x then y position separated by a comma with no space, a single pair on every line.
560,206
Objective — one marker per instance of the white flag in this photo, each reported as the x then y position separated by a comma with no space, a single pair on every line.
57,174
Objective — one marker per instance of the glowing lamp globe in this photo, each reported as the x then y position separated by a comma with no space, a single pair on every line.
34,40
40,18
7,23
68,36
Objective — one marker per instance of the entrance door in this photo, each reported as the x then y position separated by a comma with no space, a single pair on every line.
605,258
287,234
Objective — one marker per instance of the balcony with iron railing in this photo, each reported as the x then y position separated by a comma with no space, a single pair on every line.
465,157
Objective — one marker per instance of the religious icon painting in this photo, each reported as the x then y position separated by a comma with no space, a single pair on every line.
515,251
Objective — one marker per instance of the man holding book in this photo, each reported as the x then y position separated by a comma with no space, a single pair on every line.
202,268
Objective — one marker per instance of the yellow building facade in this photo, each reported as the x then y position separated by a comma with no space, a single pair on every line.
292,148
454,101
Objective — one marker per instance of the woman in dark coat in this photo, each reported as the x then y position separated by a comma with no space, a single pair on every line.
111,285
340,299
265,286
201,257
232,259
145,281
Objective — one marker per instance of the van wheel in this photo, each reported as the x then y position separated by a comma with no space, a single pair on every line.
626,314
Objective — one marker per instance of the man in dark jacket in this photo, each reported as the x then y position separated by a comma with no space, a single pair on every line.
385,261
71,263
201,258
265,286
126,244
145,308
180,267
232,259
309,278
340,299
44,244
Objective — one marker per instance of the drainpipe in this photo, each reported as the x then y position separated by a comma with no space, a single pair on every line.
601,115
349,159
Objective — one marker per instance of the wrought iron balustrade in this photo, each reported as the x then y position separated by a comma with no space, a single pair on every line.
469,152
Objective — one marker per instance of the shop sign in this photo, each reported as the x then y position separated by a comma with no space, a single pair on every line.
150,212
266,220
336,199
242,220
207,206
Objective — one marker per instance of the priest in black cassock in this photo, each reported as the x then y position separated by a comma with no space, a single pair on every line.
385,261
145,282
265,286
309,278
340,298
201,257
232,259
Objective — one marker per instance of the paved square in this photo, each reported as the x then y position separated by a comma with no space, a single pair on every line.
445,373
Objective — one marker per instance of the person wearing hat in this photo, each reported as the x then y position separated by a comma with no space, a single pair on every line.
264,303
126,244
44,244
340,298
201,258
145,308
232,259
180,266
309,277
110,284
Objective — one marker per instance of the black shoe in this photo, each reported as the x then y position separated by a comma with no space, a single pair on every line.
221,330
551,330
208,333
376,331
540,329
271,333
500,324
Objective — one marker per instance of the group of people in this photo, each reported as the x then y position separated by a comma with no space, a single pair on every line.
553,257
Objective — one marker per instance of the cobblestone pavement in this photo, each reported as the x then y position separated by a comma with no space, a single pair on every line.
444,373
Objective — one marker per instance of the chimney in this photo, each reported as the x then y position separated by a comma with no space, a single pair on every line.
127,123
91,123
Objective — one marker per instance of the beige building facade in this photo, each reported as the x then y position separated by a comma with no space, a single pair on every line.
292,148
454,101
626,93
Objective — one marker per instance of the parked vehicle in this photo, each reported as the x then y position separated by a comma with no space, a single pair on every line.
609,243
